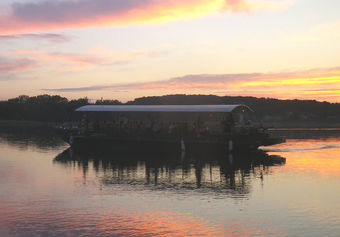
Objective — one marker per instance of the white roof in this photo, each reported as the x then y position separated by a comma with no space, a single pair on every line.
161,108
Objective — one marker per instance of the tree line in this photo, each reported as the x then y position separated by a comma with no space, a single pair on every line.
58,109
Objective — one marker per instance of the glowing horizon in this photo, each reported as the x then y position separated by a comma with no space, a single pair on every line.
280,85
124,49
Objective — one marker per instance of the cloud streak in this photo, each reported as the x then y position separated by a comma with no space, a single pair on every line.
58,38
17,61
64,14
302,84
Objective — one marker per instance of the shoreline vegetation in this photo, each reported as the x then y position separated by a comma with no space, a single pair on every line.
48,111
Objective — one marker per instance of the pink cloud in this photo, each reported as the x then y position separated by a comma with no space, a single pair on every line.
49,37
78,60
65,14
11,66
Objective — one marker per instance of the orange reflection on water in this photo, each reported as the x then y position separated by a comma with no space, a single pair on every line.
161,223
320,157
167,223
110,222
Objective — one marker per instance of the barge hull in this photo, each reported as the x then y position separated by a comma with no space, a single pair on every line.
101,142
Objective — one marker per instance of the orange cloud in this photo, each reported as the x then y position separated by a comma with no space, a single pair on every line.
54,15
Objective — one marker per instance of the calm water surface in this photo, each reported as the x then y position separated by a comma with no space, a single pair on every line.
49,190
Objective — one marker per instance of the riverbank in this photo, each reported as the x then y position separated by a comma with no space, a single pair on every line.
26,128
23,123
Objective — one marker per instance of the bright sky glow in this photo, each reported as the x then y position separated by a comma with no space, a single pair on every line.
123,49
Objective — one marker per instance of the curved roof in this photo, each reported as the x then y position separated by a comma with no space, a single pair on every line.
162,108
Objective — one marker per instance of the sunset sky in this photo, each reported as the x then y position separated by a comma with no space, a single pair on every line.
123,49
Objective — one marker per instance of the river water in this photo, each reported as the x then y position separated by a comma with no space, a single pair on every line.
47,189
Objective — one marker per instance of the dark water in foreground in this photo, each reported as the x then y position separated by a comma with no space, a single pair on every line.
46,190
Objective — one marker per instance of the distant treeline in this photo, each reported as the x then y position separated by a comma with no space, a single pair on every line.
40,108
58,109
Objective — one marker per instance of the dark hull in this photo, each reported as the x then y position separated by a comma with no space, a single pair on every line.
171,144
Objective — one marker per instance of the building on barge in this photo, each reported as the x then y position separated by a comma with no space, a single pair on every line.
178,127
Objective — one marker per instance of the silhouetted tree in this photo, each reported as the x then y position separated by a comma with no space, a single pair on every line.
40,108
57,108
108,102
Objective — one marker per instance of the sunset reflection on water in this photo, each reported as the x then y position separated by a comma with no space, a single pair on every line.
48,191
319,157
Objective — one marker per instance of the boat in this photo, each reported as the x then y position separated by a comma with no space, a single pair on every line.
171,127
